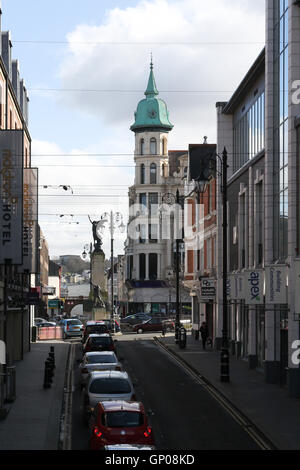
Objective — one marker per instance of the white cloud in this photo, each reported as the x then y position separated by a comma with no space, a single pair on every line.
207,72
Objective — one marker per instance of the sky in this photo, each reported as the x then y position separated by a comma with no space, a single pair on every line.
86,67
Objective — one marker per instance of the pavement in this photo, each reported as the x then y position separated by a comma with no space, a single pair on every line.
34,419
268,406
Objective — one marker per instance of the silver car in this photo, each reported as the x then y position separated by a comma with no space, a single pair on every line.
97,360
107,385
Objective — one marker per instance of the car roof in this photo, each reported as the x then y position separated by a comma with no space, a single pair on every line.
128,447
97,374
116,405
100,353
93,322
96,335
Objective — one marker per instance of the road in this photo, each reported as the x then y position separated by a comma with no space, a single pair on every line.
183,414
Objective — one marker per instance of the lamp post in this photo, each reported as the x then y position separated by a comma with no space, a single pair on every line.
224,372
225,351
84,255
116,221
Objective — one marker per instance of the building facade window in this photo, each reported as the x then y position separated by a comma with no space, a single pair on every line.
164,146
153,173
143,203
142,146
153,146
143,176
129,266
152,266
249,133
281,130
142,263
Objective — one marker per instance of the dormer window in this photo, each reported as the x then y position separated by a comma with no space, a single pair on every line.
153,146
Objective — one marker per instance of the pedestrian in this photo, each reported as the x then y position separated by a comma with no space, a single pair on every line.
204,334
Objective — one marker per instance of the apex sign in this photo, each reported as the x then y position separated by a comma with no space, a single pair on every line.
254,287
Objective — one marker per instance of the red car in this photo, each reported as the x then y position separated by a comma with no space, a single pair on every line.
154,324
119,422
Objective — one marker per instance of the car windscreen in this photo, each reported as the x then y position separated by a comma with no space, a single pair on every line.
123,419
104,340
96,329
74,322
101,359
109,385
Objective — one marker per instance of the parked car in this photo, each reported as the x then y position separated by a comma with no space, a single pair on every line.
119,422
37,321
134,319
46,324
117,447
154,324
106,385
97,360
71,327
96,342
112,326
91,327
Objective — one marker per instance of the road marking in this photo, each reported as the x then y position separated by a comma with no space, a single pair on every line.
255,433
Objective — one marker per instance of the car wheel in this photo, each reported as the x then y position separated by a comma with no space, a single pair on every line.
140,331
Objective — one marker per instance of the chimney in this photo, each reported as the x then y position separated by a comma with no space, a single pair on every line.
16,78
6,46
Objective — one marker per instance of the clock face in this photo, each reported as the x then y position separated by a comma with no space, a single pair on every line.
152,113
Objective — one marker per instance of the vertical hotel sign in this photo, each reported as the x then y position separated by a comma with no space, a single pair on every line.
30,220
11,196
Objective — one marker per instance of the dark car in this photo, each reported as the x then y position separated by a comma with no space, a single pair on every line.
154,324
112,326
94,327
96,342
135,318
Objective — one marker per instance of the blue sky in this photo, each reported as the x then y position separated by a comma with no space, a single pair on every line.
192,48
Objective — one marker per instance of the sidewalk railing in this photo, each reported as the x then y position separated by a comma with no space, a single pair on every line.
52,332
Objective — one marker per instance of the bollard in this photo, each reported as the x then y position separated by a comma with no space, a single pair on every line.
47,379
182,338
50,368
52,359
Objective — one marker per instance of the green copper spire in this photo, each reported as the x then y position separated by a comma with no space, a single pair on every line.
152,113
151,91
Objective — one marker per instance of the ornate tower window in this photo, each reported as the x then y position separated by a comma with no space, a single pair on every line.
153,146
142,146
164,146
153,173
142,173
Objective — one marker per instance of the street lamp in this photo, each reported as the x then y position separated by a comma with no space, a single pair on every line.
84,255
224,376
116,221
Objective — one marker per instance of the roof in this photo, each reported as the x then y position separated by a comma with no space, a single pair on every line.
152,113
174,160
115,405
